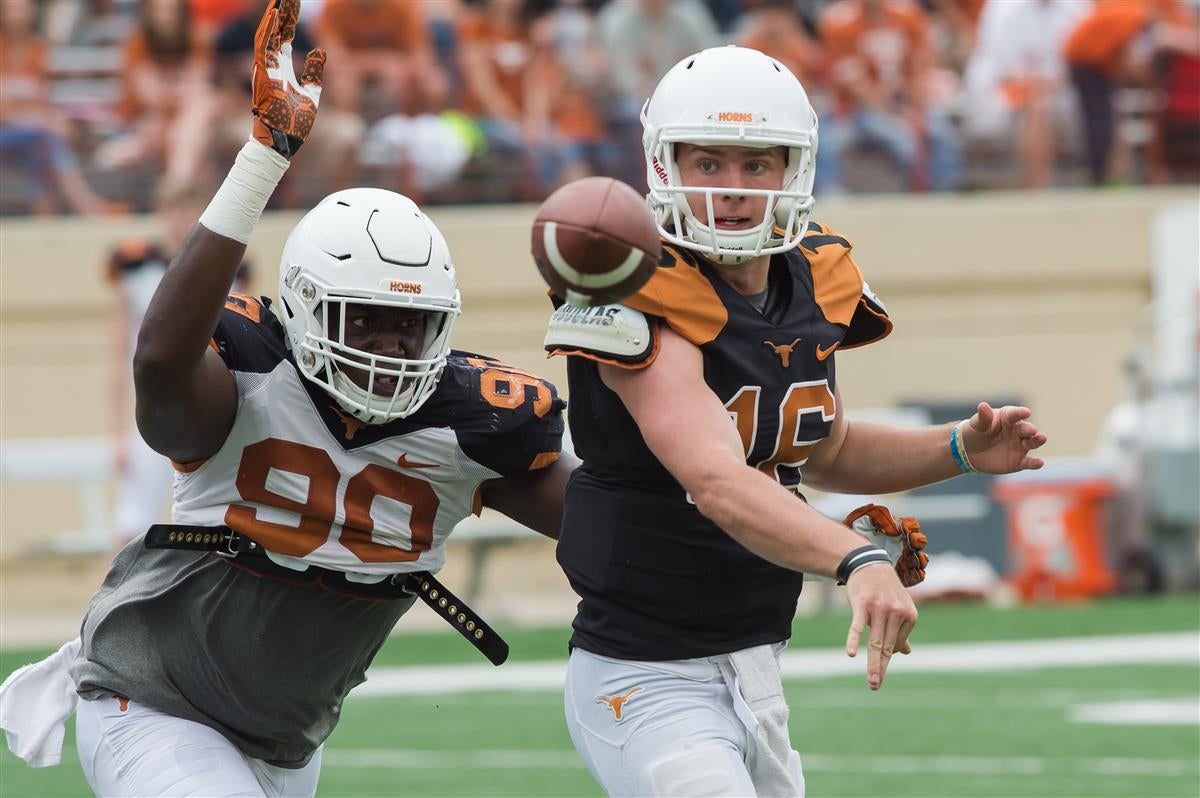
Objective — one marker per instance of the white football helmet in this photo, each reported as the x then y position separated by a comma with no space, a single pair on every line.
730,96
371,247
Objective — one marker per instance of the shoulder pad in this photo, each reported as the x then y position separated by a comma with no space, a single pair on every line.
840,290
613,334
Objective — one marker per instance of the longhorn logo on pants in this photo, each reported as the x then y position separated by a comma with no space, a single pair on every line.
617,703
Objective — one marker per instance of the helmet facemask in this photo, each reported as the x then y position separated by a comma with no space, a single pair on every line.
785,216
332,359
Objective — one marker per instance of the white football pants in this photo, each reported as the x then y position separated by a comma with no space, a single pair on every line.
680,728
128,749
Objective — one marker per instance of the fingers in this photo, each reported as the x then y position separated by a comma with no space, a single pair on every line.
274,42
902,644
881,603
857,624
878,654
983,418
267,28
893,638
289,14
313,76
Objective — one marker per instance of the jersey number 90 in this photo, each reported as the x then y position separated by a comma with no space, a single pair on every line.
317,510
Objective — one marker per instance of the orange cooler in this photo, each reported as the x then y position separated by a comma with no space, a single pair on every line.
1057,531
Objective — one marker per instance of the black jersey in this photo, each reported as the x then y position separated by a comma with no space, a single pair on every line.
656,579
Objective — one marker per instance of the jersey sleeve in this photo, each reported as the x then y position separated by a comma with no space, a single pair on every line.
841,292
249,338
506,419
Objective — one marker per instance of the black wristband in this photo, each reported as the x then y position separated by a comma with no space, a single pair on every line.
857,558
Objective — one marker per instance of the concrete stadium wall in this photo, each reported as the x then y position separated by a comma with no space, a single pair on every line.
1029,295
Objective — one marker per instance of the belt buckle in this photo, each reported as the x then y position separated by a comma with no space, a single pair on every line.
403,581
234,544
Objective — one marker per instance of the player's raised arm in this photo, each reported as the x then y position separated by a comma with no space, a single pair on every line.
186,398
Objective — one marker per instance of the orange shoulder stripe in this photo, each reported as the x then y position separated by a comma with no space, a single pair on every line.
837,282
681,295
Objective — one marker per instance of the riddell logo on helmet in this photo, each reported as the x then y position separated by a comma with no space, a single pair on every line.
404,287
662,173
735,116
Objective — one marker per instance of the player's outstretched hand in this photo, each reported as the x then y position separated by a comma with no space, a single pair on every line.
879,601
285,109
1001,440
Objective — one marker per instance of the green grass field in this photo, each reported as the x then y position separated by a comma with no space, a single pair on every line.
949,734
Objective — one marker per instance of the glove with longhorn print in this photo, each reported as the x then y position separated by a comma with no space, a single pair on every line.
284,108
901,538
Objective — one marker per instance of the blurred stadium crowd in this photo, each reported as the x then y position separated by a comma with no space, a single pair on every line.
107,104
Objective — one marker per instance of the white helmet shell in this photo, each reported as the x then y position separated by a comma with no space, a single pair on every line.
726,96
372,247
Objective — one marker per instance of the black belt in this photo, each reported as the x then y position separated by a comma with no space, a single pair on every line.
223,541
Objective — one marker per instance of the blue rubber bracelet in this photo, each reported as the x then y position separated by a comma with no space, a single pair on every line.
958,451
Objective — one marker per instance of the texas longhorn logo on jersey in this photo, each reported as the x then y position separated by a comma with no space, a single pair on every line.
783,350
353,425
617,703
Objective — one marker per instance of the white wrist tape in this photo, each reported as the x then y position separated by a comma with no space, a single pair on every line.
239,202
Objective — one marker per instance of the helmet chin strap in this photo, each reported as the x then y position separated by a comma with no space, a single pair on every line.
704,235
346,390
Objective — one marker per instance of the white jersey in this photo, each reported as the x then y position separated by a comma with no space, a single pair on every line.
182,631
314,486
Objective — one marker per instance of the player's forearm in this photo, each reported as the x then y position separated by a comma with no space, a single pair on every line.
882,458
186,307
773,523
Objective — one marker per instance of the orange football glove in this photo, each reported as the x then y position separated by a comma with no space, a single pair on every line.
284,108
902,539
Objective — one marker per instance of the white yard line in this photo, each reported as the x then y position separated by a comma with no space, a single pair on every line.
1174,648
555,759
1148,712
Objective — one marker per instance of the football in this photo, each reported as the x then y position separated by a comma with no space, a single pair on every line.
595,241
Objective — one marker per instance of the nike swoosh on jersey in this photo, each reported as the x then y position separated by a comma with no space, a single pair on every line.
404,462
824,353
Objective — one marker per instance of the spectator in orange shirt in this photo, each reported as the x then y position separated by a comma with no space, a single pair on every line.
1117,41
881,61
774,27
33,134
210,16
380,42
569,88
165,95
510,80
1017,92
